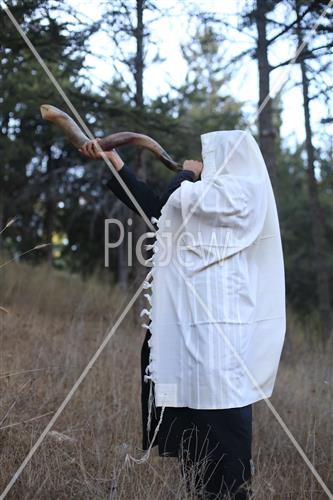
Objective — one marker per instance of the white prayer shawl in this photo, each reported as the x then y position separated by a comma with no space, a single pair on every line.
218,295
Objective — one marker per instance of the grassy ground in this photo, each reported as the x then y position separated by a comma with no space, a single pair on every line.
54,324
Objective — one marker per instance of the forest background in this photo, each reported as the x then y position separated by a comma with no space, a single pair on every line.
172,70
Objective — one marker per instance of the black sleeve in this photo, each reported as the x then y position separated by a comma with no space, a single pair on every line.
183,175
143,193
150,202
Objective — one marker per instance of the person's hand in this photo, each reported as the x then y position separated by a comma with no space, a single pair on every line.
92,149
194,166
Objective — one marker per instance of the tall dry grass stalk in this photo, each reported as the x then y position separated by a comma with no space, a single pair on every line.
55,323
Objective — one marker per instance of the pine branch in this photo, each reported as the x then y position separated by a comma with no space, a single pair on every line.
291,25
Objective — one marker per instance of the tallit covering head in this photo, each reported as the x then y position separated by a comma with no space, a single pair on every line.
217,305
232,152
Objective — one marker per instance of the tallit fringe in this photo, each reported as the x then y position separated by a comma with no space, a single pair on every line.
149,370
150,367
150,405
150,246
145,312
148,297
149,262
148,312
147,377
151,234
146,285
145,456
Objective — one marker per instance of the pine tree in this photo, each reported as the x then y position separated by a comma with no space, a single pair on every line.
35,156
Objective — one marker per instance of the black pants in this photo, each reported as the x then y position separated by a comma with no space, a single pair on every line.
211,473
213,446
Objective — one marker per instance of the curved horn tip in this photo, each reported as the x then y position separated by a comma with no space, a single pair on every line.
50,112
43,109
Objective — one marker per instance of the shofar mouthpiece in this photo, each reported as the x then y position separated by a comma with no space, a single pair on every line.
78,138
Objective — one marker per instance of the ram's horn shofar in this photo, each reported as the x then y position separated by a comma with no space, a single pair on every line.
78,138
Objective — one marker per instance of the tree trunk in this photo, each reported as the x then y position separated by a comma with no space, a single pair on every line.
2,214
139,226
3,198
265,119
49,207
317,219
139,57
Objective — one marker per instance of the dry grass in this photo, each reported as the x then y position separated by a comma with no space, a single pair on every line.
55,323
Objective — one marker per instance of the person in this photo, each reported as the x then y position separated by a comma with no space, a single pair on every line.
202,394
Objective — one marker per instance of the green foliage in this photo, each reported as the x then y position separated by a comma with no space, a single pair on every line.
48,187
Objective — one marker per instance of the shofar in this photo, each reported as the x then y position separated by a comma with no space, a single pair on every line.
78,138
